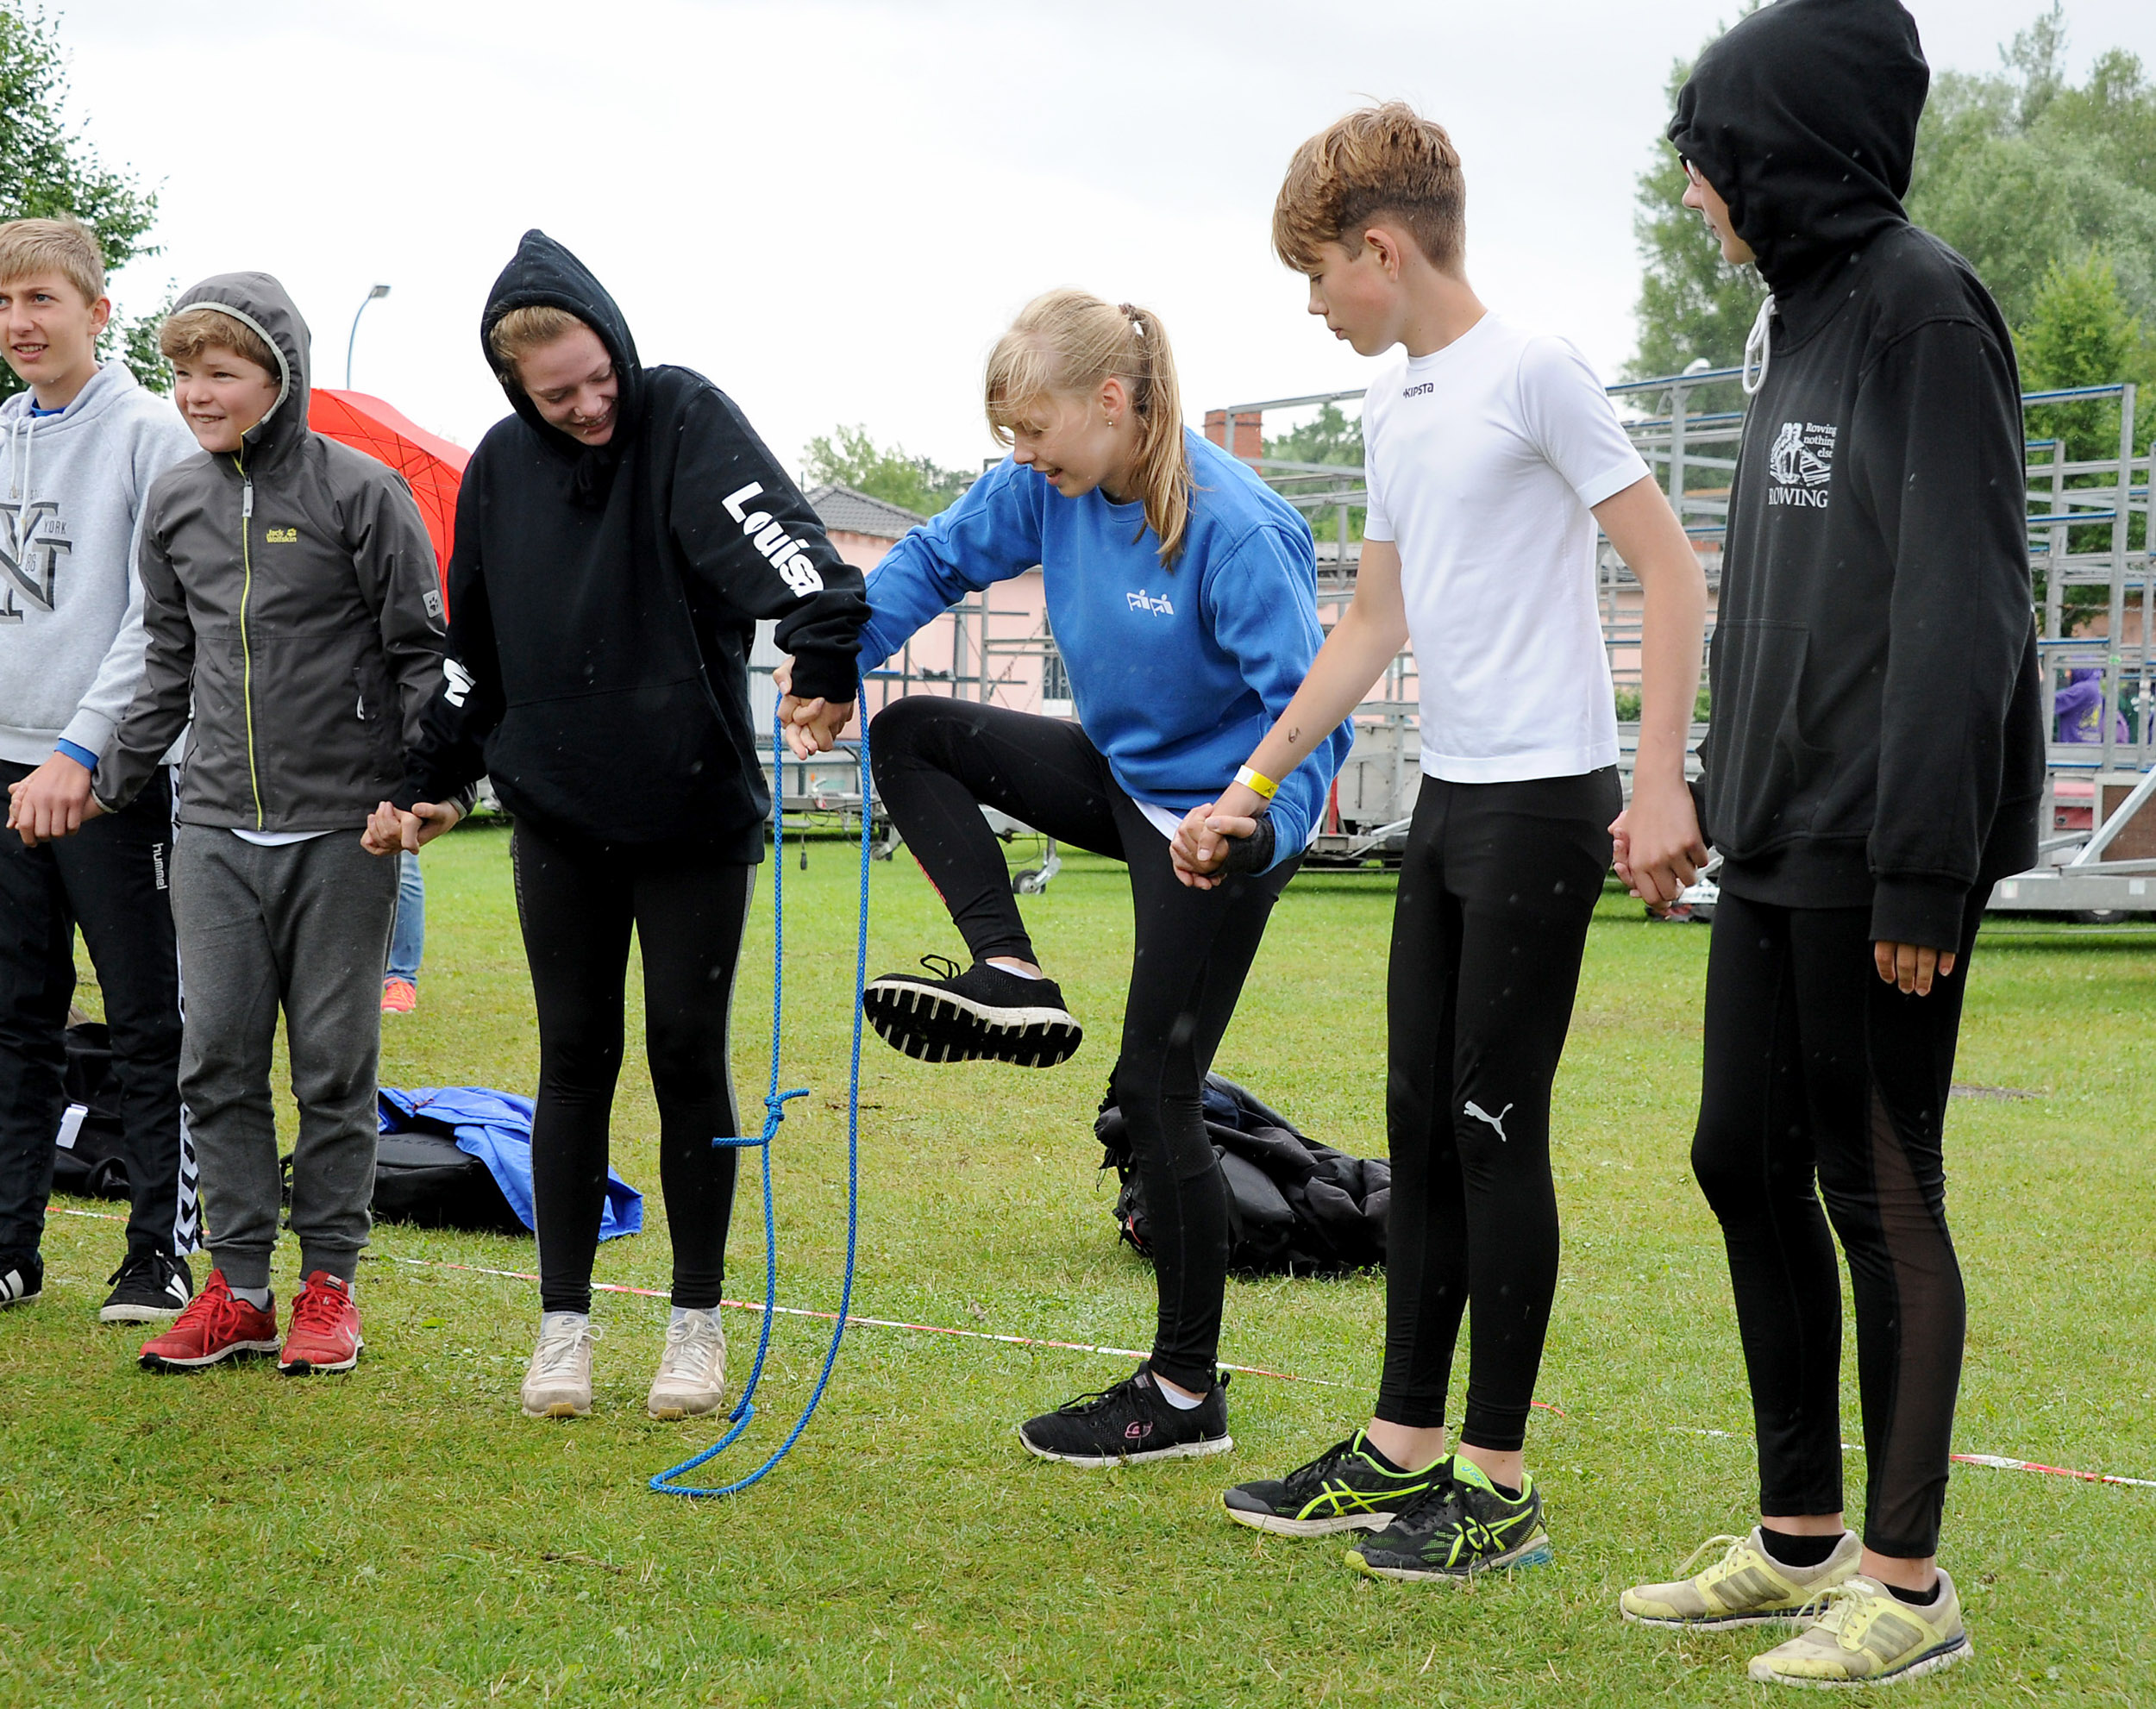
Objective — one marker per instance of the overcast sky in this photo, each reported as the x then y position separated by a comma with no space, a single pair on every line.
832,209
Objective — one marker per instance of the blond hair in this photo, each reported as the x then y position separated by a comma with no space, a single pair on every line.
1386,159
203,326
524,329
1070,342
65,246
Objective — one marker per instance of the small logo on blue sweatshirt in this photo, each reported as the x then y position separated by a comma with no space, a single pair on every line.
1155,602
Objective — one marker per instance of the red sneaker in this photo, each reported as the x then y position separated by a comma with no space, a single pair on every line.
217,1324
324,1332
399,997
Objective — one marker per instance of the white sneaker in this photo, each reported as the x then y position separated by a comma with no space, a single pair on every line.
691,1378
558,1382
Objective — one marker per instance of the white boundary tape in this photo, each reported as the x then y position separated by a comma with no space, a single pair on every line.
2000,1463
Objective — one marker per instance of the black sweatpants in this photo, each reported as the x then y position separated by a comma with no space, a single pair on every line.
1496,888
937,762
578,902
112,878
1816,1068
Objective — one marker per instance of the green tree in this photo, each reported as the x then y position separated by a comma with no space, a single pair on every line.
47,170
851,457
2081,332
1329,437
1693,305
2017,169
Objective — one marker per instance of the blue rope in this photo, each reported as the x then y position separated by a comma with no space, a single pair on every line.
775,1105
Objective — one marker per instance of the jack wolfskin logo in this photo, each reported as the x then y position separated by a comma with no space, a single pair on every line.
32,538
1802,463
1155,602
282,536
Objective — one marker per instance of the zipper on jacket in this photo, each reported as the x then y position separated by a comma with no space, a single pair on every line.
246,652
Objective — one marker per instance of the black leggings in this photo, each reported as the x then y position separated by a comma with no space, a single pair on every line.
936,763
578,902
1496,888
1816,1067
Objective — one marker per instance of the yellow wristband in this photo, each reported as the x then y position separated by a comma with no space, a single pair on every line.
1257,783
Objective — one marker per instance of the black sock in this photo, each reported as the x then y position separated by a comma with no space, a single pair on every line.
1917,1599
1793,1550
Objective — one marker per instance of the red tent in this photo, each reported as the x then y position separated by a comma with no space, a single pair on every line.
433,465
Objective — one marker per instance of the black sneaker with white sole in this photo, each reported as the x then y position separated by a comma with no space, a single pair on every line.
21,1279
984,1012
1349,1487
1130,1422
147,1288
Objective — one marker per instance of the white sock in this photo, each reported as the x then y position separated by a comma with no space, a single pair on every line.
548,1319
1015,973
1181,1403
259,1297
682,1312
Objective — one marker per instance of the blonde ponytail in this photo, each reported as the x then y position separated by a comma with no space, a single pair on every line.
1070,342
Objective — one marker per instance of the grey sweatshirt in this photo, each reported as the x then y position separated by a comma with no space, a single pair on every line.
72,499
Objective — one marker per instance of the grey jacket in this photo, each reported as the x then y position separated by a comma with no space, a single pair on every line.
290,590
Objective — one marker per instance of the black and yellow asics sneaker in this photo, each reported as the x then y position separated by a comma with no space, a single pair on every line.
1461,1528
1349,1487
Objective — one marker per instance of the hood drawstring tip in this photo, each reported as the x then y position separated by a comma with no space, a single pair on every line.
1757,345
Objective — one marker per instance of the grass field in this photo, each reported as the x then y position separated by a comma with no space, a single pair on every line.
404,1536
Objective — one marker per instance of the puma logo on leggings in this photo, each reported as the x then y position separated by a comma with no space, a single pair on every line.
1496,1121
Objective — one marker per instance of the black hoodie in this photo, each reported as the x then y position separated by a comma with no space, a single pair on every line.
602,601
1876,739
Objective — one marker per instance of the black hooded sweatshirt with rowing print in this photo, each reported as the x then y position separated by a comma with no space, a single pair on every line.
1877,737
602,601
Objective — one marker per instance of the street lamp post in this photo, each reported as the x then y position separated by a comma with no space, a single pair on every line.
373,292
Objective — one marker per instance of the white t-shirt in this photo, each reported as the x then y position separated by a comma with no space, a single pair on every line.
1484,460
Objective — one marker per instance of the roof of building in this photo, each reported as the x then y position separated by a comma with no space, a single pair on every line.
844,511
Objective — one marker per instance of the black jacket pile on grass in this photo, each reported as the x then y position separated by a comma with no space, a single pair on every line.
1876,734
1295,1207
602,601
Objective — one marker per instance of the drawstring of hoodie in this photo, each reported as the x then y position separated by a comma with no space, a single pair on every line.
20,439
1756,344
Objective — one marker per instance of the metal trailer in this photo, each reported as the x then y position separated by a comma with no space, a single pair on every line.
2099,854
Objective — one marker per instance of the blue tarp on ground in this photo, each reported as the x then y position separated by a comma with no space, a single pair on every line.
495,1127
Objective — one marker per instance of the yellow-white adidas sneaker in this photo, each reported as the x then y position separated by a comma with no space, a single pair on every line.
1867,1635
1745,1586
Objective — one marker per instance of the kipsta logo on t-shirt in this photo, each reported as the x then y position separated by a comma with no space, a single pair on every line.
1802,463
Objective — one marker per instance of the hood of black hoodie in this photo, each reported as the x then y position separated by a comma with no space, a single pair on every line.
1803,117
544,271
261,303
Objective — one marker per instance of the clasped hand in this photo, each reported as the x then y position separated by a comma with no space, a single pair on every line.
811,727
53,801
1200,843
390,828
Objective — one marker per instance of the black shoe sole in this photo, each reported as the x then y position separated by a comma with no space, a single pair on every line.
934,1024
137,1312
1204,1446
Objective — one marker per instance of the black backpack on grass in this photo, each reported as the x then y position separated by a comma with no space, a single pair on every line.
89,1154
1295,1207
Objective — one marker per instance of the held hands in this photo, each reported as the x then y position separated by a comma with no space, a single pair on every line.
391,830
53,801
1657,848
811,727
1201,847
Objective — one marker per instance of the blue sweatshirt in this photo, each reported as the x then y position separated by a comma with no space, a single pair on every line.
1176,673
